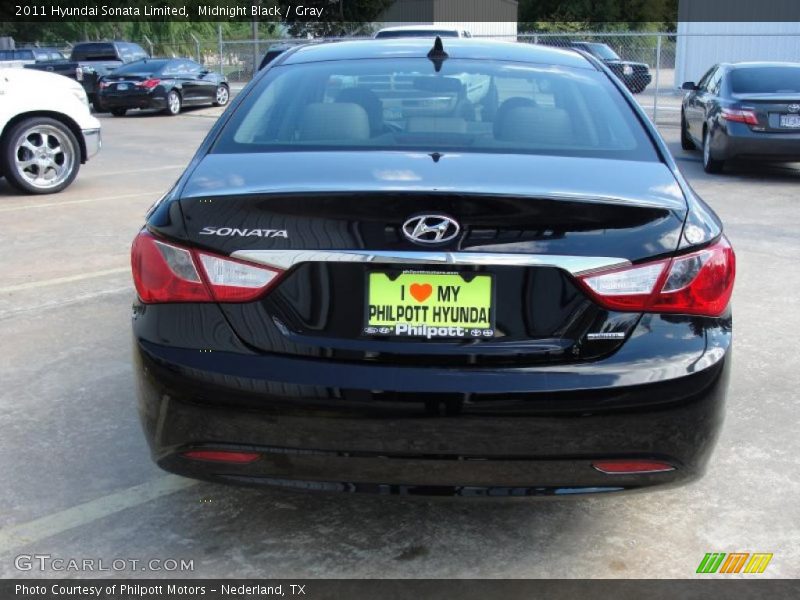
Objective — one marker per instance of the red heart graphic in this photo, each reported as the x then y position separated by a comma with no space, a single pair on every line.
421,291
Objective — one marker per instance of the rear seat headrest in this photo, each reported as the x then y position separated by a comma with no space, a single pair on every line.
550,126
369,101
334,121
506,107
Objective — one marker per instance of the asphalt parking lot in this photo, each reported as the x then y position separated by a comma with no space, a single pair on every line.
76,480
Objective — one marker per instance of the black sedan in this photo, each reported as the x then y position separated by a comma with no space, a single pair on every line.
635,75
748,111
167,84
369,280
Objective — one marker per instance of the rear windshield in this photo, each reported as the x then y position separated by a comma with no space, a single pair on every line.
141,66
766,80
98,51
468,106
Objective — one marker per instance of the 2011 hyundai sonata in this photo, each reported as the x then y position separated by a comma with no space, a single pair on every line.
412,267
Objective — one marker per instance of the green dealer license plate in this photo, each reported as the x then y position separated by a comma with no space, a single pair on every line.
429,305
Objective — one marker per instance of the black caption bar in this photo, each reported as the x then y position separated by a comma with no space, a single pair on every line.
527,12
392,589
168,10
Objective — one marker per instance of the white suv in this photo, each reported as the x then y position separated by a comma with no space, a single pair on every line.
46,130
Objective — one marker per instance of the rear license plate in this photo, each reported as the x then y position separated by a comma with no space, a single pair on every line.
790,121
429,305
122,87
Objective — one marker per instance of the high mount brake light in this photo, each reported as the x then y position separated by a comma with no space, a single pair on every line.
700,283
166,272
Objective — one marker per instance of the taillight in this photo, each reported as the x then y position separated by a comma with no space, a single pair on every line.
148,84
235,281
700,283
739,116
167,272
103,85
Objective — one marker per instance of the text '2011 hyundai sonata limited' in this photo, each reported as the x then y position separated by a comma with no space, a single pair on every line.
408,267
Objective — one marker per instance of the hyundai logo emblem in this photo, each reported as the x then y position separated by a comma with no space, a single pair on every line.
430,229
794,107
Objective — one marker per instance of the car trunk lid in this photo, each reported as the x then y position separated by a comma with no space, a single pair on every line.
335,228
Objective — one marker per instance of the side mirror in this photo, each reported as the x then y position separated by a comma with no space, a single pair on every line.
690,86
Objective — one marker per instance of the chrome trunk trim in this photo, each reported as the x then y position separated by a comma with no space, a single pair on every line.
576,265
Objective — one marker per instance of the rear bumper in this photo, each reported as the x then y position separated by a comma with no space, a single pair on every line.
325,425
133,101
637,81
737,140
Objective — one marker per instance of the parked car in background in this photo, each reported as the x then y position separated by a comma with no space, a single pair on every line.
529,301
167,84
743,111
29,56
90,61
404,31
47,130
635,75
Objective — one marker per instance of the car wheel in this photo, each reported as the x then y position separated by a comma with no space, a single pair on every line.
710,164
173,103
119,112
222,96
40,156
686,140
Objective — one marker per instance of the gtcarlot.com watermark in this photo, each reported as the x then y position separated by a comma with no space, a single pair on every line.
48,562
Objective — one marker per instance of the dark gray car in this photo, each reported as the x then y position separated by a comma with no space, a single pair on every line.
747,111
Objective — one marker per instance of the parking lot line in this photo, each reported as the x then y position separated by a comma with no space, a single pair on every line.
5,314
93,510
130,171
57,280
155,194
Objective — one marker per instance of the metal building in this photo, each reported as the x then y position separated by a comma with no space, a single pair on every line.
702,44
486,17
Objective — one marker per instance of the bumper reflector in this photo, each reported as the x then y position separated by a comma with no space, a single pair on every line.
620,467
222,456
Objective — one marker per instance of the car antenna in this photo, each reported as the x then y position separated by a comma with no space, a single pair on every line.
437,55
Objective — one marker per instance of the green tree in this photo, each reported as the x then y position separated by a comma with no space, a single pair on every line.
339,18
597,15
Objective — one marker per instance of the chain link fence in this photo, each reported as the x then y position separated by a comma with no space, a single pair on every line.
647,62
239,59
644,61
